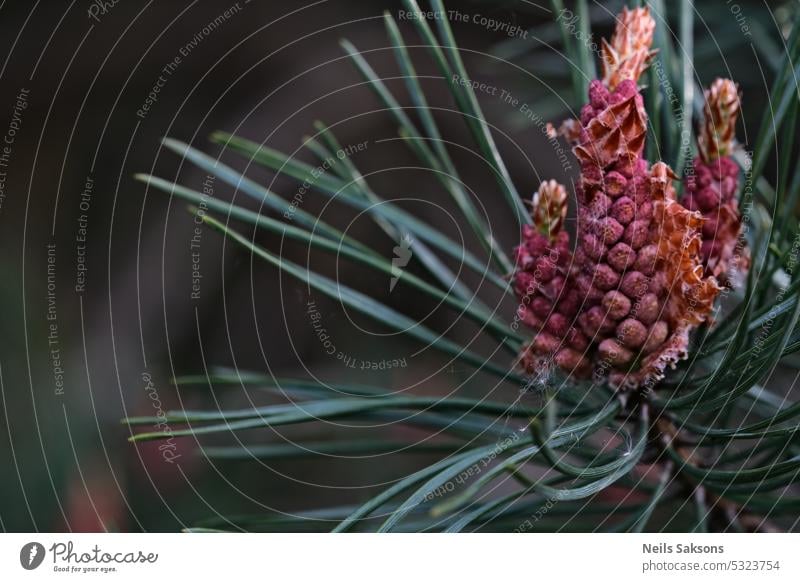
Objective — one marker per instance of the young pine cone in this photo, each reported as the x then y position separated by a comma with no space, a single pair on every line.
636,287
548,300
712,187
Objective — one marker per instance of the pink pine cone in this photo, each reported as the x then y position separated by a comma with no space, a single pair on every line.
548,304
712,188
635,287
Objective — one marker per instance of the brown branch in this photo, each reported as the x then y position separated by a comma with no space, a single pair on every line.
732,511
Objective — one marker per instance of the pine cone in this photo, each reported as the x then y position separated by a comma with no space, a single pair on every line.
712,187
637,279
542,282
639,250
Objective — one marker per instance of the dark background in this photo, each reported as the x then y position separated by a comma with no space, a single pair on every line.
266,73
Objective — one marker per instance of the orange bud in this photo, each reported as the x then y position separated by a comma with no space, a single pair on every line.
628,53
549,207
719,123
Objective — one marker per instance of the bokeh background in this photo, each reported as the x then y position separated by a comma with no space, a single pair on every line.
96,306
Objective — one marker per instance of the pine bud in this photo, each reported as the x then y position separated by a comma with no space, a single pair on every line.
719,124
628,54
549,207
